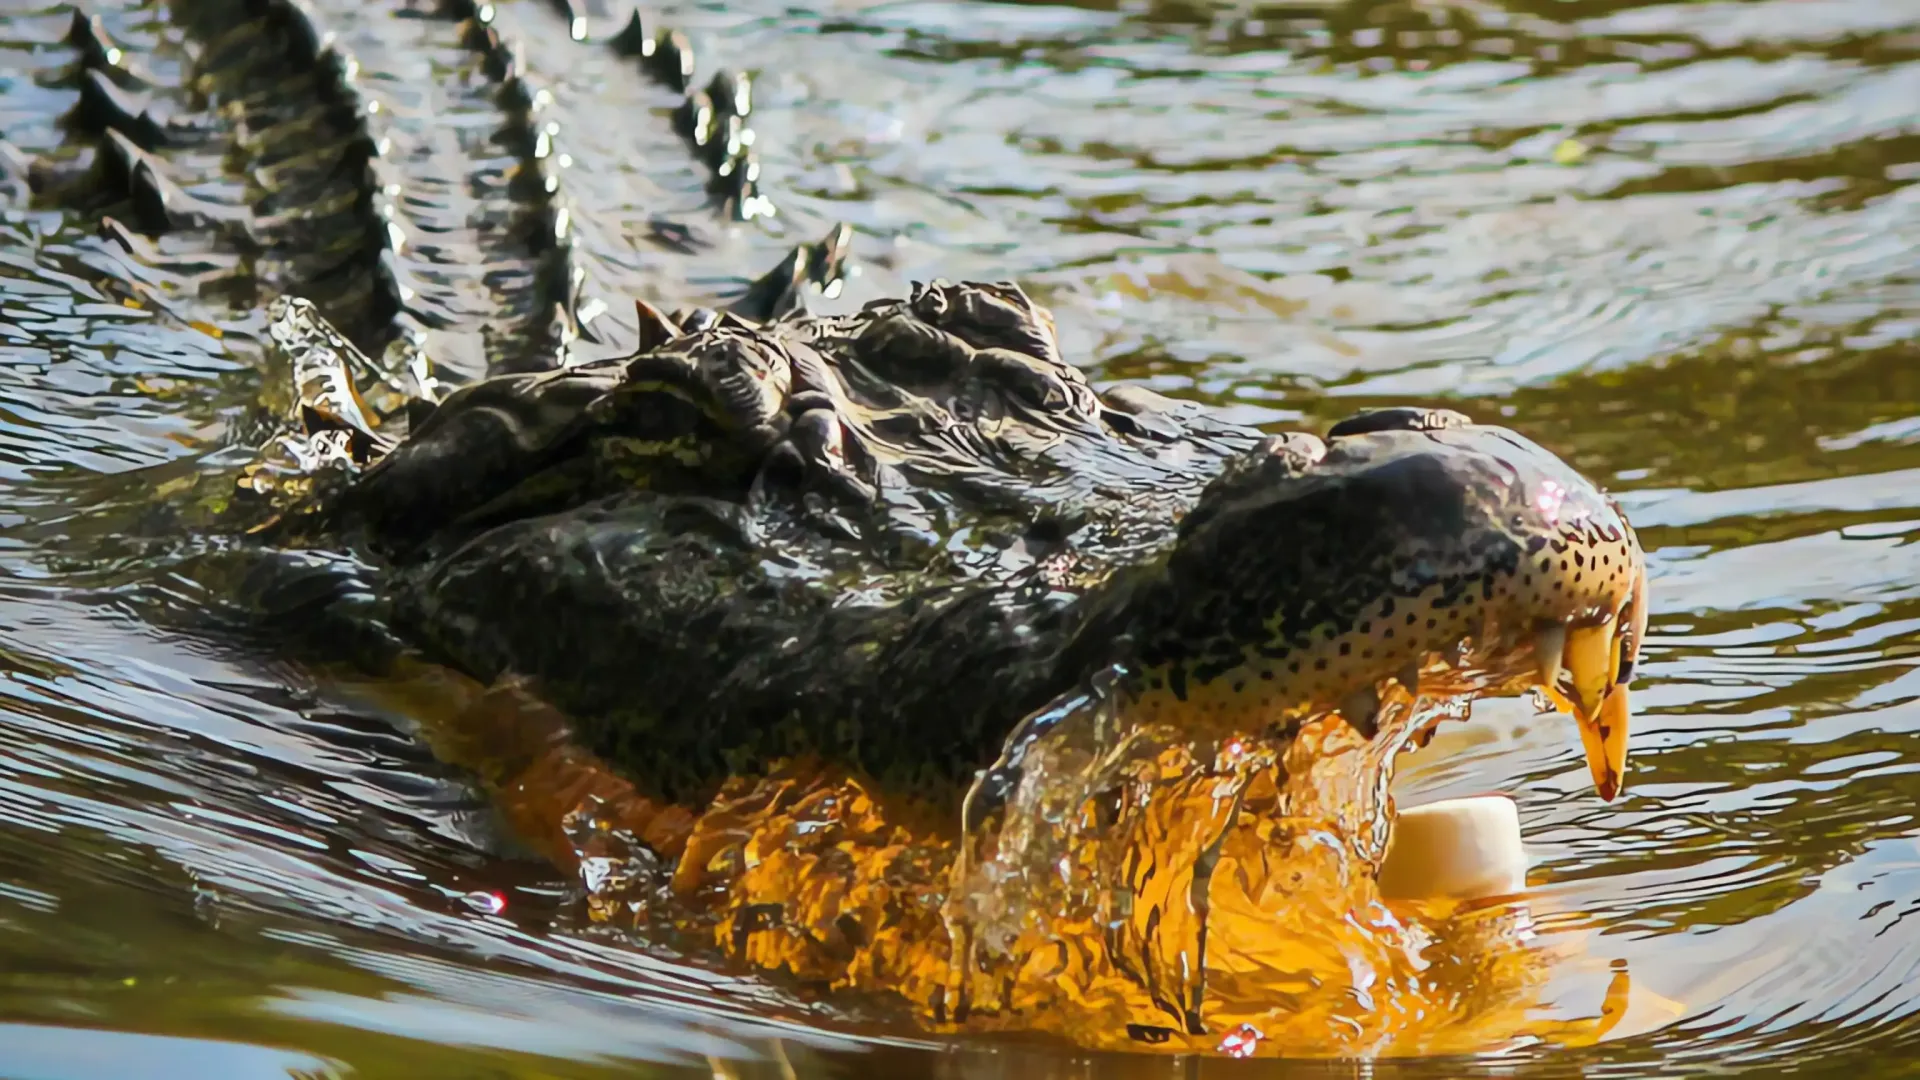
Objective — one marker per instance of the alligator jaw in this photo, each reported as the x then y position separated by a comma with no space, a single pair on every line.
1605,738
1585,671
1434,558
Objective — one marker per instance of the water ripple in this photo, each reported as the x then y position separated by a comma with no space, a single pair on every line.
1673,241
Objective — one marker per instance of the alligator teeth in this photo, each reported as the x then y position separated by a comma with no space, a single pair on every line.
1588,656
1549,646
1605,741
1361,709
1600,706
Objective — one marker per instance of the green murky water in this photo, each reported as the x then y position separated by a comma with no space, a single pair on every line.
1677,242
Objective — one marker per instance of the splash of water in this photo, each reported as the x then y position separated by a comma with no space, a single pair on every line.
1216,872
1119,885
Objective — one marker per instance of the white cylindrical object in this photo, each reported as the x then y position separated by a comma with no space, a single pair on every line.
1455,849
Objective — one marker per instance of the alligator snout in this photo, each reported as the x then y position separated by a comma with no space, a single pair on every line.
1410,552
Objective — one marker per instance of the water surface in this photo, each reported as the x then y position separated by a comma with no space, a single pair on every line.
1678,243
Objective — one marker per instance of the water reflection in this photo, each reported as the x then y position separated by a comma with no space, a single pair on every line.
237,857
1672,241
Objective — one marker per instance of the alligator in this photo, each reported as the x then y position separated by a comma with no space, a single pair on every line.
905,658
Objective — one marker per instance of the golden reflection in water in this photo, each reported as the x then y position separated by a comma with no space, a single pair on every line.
1222,911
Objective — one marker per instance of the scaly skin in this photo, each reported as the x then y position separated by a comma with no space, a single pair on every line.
816,595
817,534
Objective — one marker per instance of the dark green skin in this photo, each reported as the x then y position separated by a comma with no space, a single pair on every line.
990,535
885,538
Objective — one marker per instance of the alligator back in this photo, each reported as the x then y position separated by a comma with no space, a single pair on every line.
860,536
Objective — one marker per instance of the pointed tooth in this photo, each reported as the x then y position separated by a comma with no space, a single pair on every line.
1561,702
1549,646
1588,657
1361,710
1604,738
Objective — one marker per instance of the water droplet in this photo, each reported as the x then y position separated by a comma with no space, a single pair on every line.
486,902
1241,1042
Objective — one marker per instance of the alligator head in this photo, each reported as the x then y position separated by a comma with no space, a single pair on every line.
1410,551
